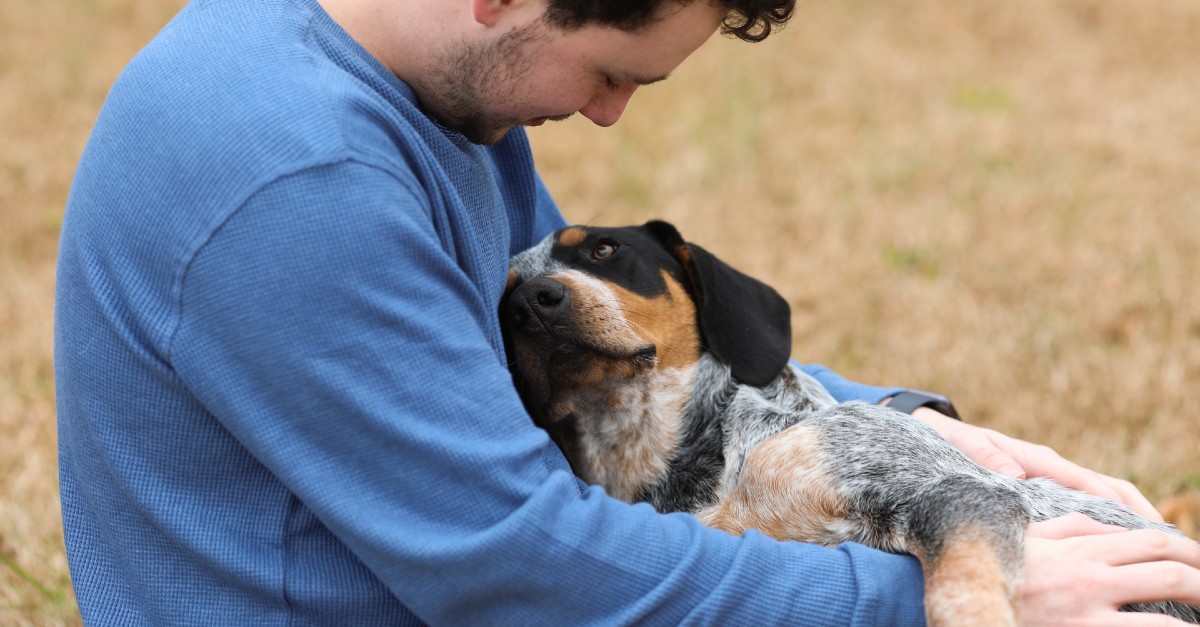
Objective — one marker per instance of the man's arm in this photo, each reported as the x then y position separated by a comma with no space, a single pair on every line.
547,217
346,350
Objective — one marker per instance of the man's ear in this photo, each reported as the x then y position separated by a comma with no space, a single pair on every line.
488,12
743,322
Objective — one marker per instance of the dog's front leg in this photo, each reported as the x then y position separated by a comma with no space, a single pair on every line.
786,490
968,535
966,531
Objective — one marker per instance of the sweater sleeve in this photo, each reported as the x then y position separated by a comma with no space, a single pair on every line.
547,218
844,389
328,328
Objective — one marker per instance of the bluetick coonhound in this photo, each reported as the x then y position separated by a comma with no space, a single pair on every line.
663,374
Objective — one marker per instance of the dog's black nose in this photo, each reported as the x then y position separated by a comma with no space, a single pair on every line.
537,303
549,294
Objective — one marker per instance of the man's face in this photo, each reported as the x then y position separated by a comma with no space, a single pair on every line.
536,72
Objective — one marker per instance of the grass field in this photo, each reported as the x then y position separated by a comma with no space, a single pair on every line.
995,200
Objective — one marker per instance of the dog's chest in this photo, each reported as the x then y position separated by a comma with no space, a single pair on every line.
628,434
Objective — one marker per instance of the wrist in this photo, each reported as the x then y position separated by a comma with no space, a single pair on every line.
909,401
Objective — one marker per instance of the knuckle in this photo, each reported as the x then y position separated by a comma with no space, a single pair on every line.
1078,517
1123,485
989,454
1157,541
1072,519
1173,578
1153,542
1041,450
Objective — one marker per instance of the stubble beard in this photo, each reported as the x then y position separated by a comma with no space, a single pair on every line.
475,76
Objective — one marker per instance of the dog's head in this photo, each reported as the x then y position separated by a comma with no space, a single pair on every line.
589,310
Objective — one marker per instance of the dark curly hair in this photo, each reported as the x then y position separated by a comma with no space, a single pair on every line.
748,20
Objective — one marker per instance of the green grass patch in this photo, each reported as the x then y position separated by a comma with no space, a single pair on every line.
983,99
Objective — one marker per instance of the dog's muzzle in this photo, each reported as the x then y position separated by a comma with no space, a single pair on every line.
544,312
539,305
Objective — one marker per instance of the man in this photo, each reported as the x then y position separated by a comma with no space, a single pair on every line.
283,396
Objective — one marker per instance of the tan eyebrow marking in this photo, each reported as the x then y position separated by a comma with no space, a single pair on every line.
573,236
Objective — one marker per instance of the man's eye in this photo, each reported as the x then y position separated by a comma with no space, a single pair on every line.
604,250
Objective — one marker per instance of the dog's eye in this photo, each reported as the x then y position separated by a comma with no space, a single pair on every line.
604,250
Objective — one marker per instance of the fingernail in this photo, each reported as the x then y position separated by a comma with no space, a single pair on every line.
1013,471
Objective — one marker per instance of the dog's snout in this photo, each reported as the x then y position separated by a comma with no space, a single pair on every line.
550,294
537,303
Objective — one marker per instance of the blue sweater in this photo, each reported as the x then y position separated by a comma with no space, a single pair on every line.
282,392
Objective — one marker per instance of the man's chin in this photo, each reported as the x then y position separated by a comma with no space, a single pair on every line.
491,137
485,136
475,130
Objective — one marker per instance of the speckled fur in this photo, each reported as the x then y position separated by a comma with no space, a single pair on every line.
788,460
899,486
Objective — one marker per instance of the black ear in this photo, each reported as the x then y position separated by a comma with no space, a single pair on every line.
743,322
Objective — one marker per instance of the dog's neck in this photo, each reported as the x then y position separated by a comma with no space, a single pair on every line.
663,436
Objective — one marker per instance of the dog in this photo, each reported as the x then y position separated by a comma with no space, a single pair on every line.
663,374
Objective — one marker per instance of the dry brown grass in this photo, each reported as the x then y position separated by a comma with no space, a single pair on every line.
997,200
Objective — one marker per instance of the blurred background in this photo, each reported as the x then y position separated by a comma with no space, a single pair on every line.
999,201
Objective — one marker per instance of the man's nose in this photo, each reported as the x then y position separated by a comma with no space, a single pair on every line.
606,107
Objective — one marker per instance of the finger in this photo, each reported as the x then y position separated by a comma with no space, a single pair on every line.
1079,478
1133,497
1070,526
1091,482
1043,461
998,461
1156,581
1148,546
990,454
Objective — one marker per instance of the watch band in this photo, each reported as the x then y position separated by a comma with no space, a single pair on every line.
909,400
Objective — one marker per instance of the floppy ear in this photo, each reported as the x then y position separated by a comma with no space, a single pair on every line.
743,322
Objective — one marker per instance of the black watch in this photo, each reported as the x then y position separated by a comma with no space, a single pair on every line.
909,400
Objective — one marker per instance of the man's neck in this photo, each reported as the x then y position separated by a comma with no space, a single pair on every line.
408,37
400,34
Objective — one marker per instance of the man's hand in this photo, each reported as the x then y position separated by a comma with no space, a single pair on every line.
1080,572
1017,458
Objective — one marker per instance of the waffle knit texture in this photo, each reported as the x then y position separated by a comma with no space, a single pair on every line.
282,391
